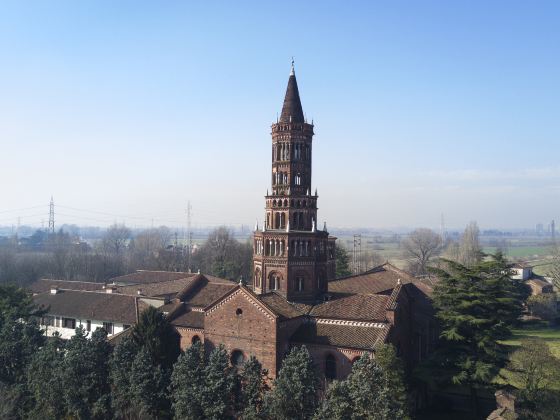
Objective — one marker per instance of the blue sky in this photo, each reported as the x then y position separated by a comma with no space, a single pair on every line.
130,109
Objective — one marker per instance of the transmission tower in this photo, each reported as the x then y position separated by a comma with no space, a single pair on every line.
51,216
189,236
357,254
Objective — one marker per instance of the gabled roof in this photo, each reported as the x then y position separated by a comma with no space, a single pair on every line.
111,307
281,307
270,313
292,110
358,337
163,288
204,290
146,276
352,307
45,285
190,319
380,279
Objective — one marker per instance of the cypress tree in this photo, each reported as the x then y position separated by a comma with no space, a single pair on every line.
253,389
219,384
120,367
148,387
187,383
294,395
44,381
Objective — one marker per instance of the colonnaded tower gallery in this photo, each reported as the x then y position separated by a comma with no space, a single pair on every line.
291,256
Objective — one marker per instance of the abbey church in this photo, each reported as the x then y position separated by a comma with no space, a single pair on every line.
293,297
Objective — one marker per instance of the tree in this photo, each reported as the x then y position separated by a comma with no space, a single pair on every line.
120,364
115,239
419,248
470,250
543,306
148,387
86,375
393,373
342,261
219,383
223,256
294,395
44,381
187,383
154,332
476,308
253,389
369,392
554,267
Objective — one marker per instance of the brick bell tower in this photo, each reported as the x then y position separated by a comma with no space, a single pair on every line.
291,256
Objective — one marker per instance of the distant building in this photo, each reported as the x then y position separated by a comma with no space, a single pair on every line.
538,284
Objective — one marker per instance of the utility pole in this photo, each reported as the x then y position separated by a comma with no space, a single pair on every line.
51,216
357,254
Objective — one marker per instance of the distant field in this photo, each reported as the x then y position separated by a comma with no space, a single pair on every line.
550,334
526,252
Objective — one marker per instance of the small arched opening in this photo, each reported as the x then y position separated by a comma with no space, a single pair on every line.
195,339
237,358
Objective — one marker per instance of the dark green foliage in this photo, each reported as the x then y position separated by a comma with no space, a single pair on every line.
337,404
219,384
158,337
18,340
120,367
148,387
294,395
187,383
369,392
45,382
86,375
342,262
253,389
476,307
394,376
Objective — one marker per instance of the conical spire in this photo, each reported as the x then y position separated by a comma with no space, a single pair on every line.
292,110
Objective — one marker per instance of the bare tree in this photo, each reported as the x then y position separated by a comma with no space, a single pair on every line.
116,239
419,248
470,251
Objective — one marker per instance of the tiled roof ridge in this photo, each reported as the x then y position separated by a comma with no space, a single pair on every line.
196,281
71,281
347,322
392,302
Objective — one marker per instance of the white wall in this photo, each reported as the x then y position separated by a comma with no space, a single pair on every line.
67,333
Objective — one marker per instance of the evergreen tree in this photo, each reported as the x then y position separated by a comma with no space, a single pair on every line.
219,384
86,375
154,332
342,262
120,367
476,307
294,395
44,381
337,404
148,387
393,373
187,383
253,389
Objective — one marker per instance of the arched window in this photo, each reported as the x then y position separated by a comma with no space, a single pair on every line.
330,367
300,283
257,278
195,339
237,358
274,283
285,203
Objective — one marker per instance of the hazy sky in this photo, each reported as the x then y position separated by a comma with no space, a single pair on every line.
125,110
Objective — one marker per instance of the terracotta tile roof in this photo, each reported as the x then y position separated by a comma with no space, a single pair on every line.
204,290
163,288
91,305
352,307
538,282
377,280
281,307
145,276
192,319
45,285
340,335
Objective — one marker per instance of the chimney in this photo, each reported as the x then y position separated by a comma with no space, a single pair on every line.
54,290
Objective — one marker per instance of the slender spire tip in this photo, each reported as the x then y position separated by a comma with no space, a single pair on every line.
292,71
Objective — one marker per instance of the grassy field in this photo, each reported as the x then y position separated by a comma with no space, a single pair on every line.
550,334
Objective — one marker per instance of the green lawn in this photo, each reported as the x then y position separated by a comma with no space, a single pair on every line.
550,334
